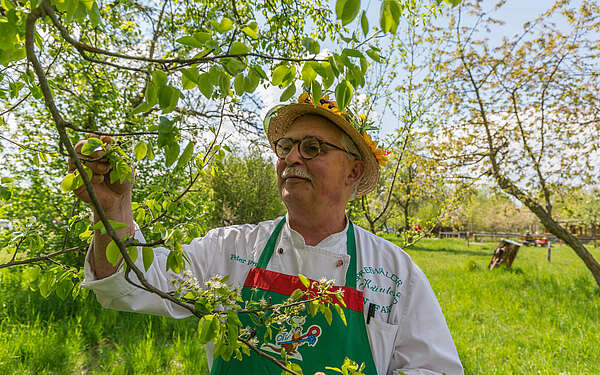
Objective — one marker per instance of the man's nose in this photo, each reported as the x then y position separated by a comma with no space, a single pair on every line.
293,156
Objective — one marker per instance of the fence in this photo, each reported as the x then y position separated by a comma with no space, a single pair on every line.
474,236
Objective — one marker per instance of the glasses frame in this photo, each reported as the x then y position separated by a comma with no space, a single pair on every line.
309,137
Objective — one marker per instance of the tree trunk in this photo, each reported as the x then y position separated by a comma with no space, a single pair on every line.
571,241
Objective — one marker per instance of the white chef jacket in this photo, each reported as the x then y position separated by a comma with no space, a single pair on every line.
408,332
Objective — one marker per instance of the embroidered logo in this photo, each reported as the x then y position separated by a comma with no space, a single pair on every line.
293,338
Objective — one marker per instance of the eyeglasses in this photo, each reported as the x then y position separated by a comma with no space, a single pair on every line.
310,147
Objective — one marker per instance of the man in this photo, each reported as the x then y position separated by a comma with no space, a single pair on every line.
395,323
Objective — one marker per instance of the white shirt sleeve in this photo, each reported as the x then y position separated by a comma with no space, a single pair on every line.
423,343
115,292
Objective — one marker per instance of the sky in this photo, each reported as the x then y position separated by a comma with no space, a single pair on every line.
515,13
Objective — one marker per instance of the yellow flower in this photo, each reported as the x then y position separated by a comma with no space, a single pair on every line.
304,98
380,154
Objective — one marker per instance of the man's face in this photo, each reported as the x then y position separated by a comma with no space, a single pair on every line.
324,181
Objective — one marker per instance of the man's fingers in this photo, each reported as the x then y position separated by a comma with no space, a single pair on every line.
97,178
99,167
79,145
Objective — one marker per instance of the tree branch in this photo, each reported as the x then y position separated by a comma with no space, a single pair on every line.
41,258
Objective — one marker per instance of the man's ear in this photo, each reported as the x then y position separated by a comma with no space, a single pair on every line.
356,173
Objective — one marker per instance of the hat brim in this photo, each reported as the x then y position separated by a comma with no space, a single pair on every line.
281,118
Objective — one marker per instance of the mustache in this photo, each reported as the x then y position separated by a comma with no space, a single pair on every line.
296,172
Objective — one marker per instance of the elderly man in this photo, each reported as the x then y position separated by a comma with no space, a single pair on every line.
395,324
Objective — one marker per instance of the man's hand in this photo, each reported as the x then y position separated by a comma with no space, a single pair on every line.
112,197
115,201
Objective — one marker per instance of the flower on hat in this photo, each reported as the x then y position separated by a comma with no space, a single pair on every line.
359,122
324,103
380,154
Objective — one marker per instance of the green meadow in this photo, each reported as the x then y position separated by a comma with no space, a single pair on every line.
538,318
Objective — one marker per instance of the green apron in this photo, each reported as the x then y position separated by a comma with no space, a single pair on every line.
312,343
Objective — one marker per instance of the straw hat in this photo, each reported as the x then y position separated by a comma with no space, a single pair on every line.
279,119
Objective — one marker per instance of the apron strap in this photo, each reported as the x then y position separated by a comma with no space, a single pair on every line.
267,252
270,246
351,249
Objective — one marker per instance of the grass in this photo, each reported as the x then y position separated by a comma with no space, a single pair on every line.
538,318
51,336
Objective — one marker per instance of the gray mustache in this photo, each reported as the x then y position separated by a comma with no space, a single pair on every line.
296,172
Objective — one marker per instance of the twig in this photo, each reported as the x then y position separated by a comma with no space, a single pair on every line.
16,104
270,357
84,47
41,258
26,147
64,139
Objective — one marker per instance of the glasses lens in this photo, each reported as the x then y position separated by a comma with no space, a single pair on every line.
309,147
283,147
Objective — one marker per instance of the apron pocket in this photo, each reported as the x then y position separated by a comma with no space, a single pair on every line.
381,337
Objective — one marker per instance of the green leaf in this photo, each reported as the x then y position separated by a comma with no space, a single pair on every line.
47,284
175,262
238,84
259,71
373,55
186,156
87,3
304,280
238,48
67,182
142,107
279,74
316,91
147,256
189,78
121,171
150,152
167,95
364,23
5,193
208,328
151,93
31,274
167,133
311,45
251,81
113,255
63,289
333,65
225,25
205,85
389,17
308,73
92,144
140,150
190,41
343,94
171,153
132,251
159,78
347,10
117,225
95,16
233,65
352,53
288,92
251,32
